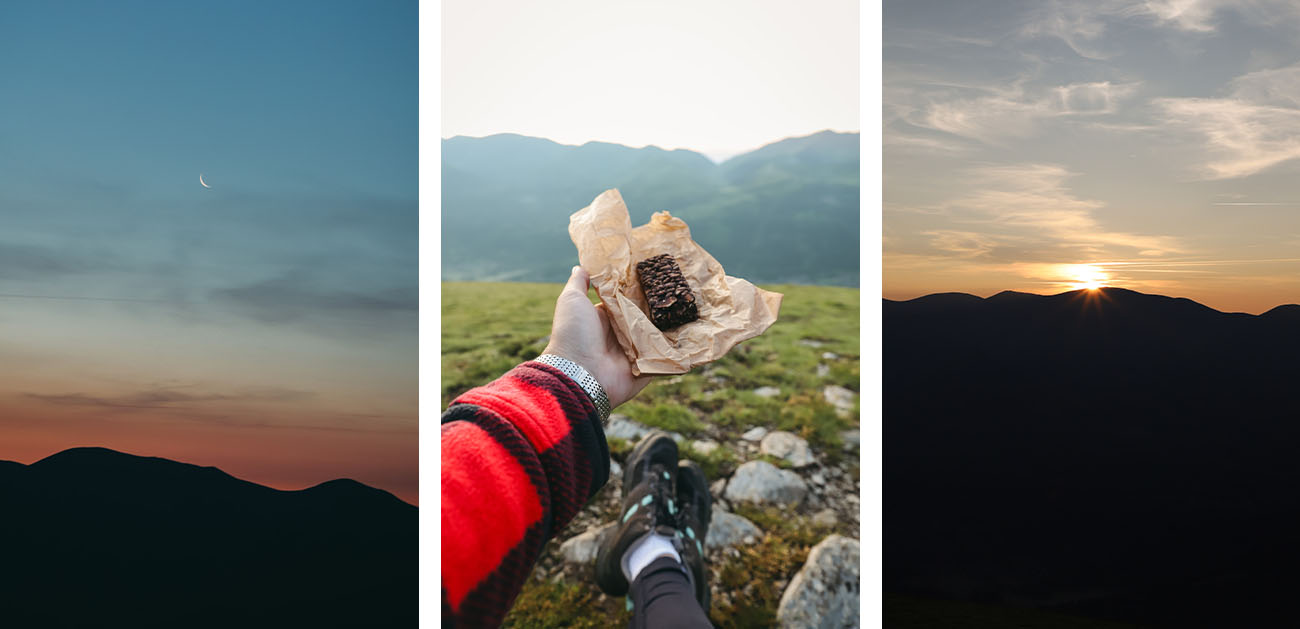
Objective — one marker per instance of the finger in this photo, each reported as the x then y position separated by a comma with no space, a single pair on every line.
578,280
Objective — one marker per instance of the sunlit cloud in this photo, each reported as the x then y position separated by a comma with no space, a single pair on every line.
1035,197
1202,16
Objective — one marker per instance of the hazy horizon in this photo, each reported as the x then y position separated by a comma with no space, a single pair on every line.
715,158
719,78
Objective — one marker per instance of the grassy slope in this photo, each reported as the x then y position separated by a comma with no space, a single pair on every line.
488,328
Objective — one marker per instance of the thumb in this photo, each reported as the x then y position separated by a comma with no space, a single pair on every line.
578,280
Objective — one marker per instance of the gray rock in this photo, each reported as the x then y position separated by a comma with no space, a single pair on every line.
728,529
754,434
582,548
826,592
810,343
817,478
622,427
825,517
830,356
850,439
841,398
615,470
788,446
767,392
704,446
716,488
761,482
823,370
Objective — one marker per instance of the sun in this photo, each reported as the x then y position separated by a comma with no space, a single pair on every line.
1085,276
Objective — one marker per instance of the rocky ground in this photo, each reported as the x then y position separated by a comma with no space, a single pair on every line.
792,493
773,423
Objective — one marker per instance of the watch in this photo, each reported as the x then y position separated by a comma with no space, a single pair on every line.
584,379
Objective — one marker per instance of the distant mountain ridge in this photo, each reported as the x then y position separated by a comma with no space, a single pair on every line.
1104,453
148,541
786,212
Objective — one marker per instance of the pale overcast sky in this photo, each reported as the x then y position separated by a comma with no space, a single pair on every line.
720,77
1042,146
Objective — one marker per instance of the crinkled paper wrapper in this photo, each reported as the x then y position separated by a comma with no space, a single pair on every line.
731,309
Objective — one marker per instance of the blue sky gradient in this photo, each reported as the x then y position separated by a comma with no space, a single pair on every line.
284,295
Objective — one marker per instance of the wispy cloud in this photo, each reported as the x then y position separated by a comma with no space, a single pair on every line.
1032,200
1201,16
1255,127
1017,111
28,261
1083,26
292,297
1080,25
171,398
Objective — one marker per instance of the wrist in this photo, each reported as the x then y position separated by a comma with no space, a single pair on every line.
583,378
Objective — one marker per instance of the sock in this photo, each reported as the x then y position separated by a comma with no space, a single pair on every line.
645,550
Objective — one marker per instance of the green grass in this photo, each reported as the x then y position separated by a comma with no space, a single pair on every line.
547,605
487,328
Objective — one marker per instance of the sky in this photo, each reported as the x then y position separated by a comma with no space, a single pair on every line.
1047,146
266,325
720,77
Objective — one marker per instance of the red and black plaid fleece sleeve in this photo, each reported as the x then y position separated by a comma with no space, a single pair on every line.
520,457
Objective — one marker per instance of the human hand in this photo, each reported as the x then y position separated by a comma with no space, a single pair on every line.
582,333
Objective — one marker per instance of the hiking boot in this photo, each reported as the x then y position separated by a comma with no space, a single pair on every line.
648,479
694,510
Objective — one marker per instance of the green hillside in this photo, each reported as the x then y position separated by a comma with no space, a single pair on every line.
786,212
488,328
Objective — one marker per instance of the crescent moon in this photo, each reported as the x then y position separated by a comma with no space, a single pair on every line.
201,181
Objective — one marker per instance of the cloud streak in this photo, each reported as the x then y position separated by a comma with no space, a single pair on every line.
171,398
1018,112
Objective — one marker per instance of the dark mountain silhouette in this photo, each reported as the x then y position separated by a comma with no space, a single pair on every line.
1104,453
96,537
786,212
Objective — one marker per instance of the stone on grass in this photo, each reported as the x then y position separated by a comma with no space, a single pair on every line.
704,446
728,529
841,398
582,548
622,427
830,356
788,446
826,592
767,392
825,517
810,343
823,370
761,482
716,488
754,434
850,439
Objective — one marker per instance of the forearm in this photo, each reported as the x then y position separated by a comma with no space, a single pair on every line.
520,456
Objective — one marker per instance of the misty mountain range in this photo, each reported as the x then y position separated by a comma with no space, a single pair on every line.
1103,453
786,212
96,537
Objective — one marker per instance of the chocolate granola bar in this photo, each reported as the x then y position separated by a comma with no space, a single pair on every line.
670,298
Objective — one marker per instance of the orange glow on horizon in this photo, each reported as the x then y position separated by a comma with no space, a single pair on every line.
283,457
1084,276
